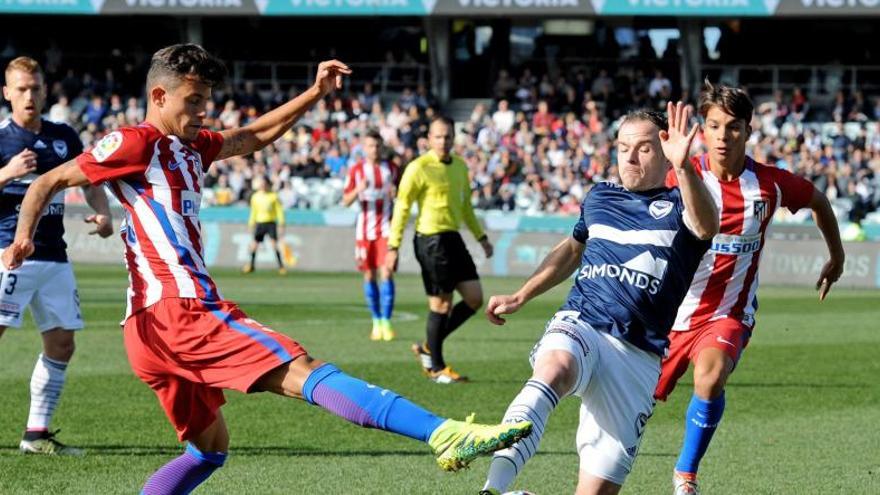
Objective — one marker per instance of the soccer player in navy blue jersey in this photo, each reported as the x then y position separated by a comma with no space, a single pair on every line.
29,147
638,245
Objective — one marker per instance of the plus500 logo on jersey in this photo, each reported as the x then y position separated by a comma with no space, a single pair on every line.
736,244
189,203
643,272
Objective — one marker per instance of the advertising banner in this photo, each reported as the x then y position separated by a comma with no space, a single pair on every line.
345,7
326,248
533,8
181,7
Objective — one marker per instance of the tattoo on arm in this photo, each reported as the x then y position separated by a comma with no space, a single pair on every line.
235,143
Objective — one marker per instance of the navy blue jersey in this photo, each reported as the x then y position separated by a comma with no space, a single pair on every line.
637,265
54,145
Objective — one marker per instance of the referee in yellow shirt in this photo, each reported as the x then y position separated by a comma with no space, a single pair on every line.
266,219
438,182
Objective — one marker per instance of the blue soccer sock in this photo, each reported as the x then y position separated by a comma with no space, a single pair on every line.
702,420
371,294
368,405
386,291
183,474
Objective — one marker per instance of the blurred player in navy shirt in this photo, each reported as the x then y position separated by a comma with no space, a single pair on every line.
29,147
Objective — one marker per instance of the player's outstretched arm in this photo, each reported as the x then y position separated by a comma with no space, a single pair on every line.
825,220
271,126
699,206
556,267
39,193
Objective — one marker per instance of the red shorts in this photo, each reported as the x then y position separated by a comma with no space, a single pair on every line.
370,255
729,335
188,350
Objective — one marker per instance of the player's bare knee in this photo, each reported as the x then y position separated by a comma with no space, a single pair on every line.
709,382
592,485
474,301
557,369
59,345
369,275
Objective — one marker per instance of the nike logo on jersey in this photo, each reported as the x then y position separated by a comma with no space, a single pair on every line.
39,145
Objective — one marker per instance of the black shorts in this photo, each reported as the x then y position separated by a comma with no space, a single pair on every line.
266,229
445,262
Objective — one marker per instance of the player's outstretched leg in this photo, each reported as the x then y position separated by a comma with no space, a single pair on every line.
456,443
184,473
554,376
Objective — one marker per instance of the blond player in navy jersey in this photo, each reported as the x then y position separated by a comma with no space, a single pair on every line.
29,147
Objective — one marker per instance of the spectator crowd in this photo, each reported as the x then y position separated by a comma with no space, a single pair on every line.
536,147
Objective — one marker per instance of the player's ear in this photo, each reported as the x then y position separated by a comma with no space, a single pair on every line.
157,96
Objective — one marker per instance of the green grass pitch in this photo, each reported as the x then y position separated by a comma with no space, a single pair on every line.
802,416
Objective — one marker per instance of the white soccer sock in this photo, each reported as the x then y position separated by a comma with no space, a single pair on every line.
534,403
46,384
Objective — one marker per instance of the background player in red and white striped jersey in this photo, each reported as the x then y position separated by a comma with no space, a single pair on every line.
716,318
371,182
182,338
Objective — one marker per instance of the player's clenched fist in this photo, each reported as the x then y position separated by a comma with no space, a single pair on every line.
329,76
15,253
502,305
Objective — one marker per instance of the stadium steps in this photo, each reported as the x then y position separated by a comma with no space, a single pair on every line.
459,109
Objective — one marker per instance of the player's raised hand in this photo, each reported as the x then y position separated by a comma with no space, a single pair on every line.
103,225
21,164
329,77
830,274
677,140
502,305
15,253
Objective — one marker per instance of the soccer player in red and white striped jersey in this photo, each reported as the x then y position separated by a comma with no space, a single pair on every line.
182,338
716,318
371,182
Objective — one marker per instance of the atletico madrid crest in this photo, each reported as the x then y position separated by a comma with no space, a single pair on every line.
760,209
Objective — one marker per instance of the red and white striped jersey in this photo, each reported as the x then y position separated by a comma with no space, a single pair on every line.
158,180
726,282
376,201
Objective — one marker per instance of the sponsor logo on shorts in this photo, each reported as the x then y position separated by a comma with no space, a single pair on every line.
724,341
10,309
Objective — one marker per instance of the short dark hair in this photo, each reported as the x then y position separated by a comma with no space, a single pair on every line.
645,115
442,118
177,62
374,134
733,101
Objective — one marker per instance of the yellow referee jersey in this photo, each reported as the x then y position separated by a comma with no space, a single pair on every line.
266,208
443,193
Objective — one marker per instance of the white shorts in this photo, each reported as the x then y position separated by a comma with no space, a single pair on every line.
48,287
615,383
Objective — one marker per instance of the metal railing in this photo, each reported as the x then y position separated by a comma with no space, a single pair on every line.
385,77
814,80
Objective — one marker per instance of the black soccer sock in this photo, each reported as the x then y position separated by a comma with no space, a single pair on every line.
278,257
460,314
435,333
253,257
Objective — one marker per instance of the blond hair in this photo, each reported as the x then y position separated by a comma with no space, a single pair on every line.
23,64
